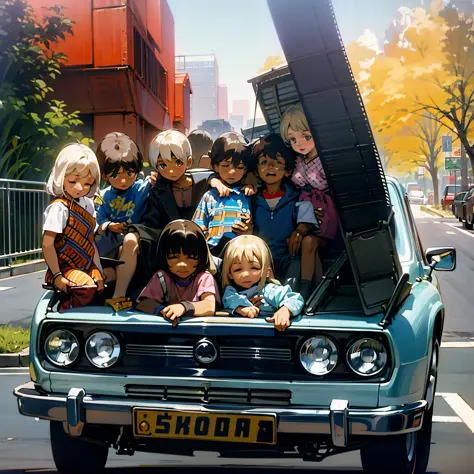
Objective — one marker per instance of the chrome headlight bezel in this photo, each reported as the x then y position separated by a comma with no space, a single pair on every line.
73,350
384,355
333,356
112,358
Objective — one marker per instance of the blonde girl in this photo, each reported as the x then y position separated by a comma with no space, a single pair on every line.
309,176
247,272
68,227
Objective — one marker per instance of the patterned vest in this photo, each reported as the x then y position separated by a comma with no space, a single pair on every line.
75,246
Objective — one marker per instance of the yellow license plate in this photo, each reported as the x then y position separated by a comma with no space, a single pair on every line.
204,426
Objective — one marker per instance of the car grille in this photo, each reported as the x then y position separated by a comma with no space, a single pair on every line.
226,352
210,394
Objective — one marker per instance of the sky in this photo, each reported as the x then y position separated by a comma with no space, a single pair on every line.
241,33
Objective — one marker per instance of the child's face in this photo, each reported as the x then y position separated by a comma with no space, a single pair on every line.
122,180
246,273
271,171
78,186
172,169
301,142
229,173
182,266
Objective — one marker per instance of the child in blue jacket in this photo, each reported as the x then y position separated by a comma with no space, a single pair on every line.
247,273
286,225
124,201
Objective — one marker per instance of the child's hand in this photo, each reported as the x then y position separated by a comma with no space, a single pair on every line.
319,213
222,189
249,189
257,300
245,226
118,227
281,319
153,177
173,312
62,283
248,311
294,242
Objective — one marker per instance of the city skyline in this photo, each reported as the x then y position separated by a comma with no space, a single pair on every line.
240,56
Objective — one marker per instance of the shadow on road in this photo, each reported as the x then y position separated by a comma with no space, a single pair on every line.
194,470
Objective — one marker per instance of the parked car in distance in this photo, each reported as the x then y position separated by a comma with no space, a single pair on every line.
457,206
416,196
467,216
448,196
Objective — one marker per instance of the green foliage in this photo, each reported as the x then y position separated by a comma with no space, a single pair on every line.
32,124
13,339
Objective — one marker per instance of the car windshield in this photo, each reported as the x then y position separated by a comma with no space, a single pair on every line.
452,189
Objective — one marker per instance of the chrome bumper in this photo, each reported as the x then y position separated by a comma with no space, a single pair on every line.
339,421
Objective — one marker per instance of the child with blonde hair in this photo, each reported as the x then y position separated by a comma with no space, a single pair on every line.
69,224
247,272
309,176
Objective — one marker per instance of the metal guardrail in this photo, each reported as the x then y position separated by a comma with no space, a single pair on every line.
22,204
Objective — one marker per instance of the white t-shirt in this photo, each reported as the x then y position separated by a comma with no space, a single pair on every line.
56,214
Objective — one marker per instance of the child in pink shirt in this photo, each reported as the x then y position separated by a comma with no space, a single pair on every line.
184,284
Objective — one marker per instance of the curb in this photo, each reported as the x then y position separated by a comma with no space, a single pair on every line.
19,359
22,268
433,212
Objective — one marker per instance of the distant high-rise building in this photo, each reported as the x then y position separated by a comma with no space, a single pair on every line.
241,107
222,102
204,74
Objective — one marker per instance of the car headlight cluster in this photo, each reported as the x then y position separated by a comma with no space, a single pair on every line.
102,349
366,357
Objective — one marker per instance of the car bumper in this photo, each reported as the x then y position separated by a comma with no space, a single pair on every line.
338,421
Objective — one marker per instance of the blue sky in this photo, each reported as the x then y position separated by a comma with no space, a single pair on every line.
241,33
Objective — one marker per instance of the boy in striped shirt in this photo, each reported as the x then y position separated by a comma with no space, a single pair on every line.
231,159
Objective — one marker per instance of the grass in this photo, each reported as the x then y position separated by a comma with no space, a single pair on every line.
13,339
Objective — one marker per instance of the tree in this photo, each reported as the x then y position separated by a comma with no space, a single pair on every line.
455,80
33,125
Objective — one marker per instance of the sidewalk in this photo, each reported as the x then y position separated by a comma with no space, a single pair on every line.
437,212
22,268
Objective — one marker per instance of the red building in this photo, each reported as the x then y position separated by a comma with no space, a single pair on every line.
121,67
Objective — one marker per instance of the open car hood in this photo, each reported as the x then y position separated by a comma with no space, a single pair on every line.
319,76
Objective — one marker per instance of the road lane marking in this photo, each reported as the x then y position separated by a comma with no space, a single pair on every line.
437,222
460,407
13,373
5,288
446,419
457,345
450,233
459,230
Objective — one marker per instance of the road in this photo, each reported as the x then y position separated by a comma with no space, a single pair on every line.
24,444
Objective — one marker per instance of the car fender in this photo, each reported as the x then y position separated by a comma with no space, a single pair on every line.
411,333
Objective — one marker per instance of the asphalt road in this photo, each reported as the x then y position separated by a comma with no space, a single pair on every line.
24,443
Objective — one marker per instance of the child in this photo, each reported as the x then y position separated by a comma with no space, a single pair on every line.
248,268
280,220
183,285
201,144
216,215
309,177
68,227
124,201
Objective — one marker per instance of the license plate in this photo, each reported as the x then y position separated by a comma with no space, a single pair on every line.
206,426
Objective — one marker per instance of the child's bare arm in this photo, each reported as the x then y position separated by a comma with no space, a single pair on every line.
207,305
51,259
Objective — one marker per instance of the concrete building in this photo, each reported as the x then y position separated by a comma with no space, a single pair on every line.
241,107
204,74
222,102
121,67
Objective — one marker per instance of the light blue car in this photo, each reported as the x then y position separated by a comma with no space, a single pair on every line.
356,371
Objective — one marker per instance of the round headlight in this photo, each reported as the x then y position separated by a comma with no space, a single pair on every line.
61,347
102,349
318,355
367,357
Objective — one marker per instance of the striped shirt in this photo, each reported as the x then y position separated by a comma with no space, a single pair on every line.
216,215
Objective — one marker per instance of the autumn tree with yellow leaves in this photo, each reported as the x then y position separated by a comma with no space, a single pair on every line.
420,86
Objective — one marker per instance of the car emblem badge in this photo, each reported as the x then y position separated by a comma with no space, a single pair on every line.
205,351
